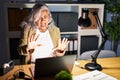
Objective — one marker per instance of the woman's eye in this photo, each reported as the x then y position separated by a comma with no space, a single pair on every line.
45,17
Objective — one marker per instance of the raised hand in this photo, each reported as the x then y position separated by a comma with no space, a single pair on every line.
59,51
63,44
32,42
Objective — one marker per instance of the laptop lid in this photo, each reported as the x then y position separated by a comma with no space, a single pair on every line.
51,66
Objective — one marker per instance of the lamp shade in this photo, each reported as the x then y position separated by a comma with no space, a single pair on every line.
84,20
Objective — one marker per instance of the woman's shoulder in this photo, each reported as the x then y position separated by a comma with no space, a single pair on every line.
28,27
53,27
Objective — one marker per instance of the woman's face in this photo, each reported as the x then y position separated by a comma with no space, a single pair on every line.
42,23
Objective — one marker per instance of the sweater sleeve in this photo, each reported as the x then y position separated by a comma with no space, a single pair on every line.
23,40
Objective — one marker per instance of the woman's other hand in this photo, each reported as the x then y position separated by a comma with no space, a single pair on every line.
59,51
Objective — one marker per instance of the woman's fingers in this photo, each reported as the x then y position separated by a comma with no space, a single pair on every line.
36,37
65,41
63,44
33,37
32,41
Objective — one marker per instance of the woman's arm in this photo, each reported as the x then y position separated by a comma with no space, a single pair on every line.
59,45
23,40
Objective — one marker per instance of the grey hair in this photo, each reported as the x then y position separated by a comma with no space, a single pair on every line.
35,15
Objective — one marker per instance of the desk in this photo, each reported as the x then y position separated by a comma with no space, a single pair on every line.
111,66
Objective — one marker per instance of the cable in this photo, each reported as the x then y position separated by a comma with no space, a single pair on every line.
20,74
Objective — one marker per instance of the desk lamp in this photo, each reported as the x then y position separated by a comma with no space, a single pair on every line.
83,22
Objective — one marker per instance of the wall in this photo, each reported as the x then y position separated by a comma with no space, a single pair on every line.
3,41
108,46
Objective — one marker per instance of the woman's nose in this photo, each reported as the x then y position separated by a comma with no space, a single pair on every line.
42,19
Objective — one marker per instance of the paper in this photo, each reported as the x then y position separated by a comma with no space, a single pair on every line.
94,75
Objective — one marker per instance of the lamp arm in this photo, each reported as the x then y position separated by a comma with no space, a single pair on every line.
104,38
96,53
102,31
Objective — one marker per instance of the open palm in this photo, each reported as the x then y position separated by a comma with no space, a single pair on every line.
63,44
32,42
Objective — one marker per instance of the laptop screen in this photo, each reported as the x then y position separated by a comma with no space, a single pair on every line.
51,66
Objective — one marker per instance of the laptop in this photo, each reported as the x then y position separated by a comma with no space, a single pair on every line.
47,67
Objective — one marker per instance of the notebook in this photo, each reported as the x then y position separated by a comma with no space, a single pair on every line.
45,67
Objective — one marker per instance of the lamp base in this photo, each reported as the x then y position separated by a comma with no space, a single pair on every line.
93,66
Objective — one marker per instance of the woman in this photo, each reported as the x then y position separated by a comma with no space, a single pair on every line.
40,37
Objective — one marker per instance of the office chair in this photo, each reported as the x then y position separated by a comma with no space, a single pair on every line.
103,54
